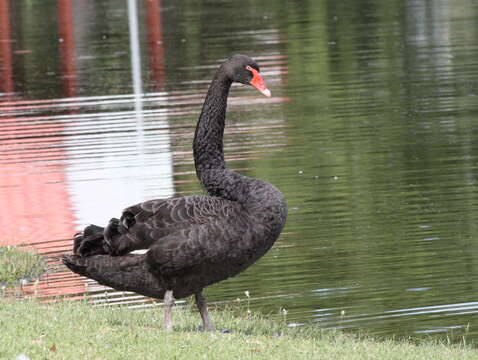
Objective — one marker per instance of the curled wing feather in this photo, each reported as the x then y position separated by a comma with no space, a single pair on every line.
151,222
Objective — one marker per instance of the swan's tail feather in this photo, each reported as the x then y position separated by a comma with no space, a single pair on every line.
89,242
127,273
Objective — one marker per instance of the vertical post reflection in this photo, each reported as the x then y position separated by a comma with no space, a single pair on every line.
135,57
155,44
67,47
6,81
163,155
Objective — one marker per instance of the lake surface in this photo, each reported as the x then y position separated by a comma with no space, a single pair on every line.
371,134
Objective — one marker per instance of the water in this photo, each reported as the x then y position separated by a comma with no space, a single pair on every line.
370,134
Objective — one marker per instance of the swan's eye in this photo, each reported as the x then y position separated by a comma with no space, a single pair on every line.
251,72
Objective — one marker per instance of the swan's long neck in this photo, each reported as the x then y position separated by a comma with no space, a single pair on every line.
208,143
260,198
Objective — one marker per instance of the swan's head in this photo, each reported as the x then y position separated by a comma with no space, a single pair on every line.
243,69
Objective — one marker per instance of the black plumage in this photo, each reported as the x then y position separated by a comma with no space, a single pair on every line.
192,241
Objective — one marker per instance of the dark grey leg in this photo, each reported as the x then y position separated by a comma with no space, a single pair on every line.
202,306
168,310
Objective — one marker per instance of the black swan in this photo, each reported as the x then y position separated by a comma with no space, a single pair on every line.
192,241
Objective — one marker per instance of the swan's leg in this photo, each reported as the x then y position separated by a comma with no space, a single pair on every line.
202,306
168,311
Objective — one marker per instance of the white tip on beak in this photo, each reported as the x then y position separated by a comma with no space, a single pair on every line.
266,92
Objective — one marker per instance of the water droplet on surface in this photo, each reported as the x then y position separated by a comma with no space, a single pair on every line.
293,325
418,289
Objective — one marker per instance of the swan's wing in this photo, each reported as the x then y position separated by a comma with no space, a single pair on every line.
226,240
144,224
178,212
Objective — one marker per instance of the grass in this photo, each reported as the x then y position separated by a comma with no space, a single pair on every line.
77,330
16,264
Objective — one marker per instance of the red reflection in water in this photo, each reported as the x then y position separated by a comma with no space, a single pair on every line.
6,81
35,206
67,47
155,44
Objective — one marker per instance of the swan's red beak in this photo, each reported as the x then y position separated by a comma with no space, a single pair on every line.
258,82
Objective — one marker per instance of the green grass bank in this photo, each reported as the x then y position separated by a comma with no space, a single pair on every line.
17,264
77,330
